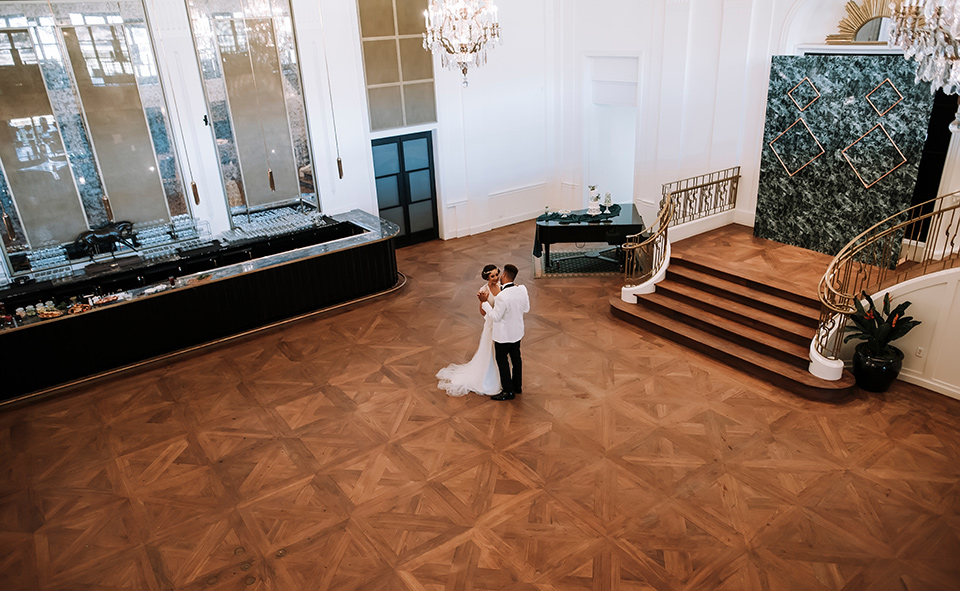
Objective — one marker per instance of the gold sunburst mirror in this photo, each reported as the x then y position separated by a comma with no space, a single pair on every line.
866,23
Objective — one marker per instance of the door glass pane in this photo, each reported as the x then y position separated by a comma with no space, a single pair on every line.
395,215
415,154
255,92
421,216
419,185
32,150
385,160
388,195
104,74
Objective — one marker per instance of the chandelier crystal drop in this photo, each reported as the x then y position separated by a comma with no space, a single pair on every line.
460,32
928,31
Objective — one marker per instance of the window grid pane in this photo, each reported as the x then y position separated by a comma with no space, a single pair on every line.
398,72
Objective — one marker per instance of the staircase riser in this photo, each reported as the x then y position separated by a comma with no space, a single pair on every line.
737,363
781,293
748,301
780,333
759,348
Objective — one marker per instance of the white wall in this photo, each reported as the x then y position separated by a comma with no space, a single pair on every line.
703,81
514,141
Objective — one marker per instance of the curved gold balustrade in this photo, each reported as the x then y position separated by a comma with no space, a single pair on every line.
915,242
683,201
644,259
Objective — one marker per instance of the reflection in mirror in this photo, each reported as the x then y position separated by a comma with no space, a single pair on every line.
874,30
83,131
255,94
251,76
34,160
115,120
866,22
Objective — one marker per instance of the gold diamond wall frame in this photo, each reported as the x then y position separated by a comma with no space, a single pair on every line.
895,103
884,175
783,133
806,106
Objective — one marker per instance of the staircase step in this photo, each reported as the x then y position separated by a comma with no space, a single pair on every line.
773,324
729,330
745,294
779,373
744,281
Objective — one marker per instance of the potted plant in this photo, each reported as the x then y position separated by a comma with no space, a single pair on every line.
876,363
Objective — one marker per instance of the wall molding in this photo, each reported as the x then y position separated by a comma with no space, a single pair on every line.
517,190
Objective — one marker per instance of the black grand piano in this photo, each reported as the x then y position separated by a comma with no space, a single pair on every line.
612,230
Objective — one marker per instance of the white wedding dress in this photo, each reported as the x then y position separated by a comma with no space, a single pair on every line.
480,374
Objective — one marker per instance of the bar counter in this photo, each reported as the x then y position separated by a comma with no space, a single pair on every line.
193,308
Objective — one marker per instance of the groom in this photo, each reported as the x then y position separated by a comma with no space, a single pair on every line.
507,315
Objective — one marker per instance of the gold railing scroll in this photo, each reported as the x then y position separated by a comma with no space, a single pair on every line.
683,201
915,242
646,252
704,195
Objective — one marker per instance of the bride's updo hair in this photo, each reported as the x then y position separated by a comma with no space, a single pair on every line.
487,270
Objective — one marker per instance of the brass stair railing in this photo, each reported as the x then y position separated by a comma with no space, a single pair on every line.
646,252
704,195
683,201
915,242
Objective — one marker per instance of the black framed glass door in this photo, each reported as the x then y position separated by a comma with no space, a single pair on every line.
406,189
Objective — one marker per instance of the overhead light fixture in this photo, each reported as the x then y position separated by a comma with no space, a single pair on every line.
460,31
929,32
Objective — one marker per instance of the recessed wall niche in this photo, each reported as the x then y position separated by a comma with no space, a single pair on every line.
248,58
84,134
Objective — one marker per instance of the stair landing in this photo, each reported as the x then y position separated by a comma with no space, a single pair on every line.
735,250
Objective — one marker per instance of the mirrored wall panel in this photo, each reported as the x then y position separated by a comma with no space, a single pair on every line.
84,130
47,205
248,58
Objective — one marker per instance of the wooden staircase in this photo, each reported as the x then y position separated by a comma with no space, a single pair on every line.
759,329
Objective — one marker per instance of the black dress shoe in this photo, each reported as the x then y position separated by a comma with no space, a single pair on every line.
503,396
519,391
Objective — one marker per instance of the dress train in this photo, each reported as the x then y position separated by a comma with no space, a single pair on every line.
478,375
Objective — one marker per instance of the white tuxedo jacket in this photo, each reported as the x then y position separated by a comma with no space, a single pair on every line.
507,313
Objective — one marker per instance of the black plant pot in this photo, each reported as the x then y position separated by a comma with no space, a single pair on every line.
875,374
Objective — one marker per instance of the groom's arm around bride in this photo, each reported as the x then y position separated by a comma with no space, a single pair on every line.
507,316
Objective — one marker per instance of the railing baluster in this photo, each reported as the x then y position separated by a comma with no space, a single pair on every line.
682,201
887,253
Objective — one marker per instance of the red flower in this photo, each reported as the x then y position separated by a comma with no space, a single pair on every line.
894,322
869,315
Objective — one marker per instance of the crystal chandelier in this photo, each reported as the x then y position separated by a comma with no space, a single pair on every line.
928,31
460,32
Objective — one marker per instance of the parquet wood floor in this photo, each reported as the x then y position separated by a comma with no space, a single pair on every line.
320,455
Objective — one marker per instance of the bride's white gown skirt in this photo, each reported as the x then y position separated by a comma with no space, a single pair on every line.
478,375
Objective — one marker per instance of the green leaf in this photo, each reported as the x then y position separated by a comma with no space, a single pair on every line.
859,307
899,309
886,304
904,325
883,334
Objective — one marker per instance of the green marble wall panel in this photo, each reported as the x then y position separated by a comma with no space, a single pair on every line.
819,186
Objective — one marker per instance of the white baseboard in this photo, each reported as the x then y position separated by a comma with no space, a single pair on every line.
745,218
501,222
700,226
939,387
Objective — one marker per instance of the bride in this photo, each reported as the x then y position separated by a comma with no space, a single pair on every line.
480,374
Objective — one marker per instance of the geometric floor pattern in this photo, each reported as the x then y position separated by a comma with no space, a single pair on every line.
321,455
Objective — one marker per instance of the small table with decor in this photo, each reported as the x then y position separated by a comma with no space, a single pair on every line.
612,226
